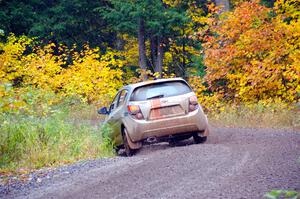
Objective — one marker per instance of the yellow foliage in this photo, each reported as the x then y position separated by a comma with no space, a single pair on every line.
92,76
42,68
211,102
173,3
11,65
131,50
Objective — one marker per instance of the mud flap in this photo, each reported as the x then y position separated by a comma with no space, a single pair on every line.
206,132
133,145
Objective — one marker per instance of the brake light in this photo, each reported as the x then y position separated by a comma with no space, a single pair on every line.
135,111
193,103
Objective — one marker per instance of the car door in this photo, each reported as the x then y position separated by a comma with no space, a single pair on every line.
116,115
110,120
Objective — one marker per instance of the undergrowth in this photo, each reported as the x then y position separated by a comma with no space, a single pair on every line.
49,130
258,115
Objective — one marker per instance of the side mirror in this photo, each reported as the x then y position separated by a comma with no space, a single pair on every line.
103,111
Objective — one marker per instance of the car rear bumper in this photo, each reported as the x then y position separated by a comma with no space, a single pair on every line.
139,130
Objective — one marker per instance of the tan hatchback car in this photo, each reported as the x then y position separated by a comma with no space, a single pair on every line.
155,111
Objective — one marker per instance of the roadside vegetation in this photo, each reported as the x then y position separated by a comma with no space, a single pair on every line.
277,194
244,66
259,115
48,130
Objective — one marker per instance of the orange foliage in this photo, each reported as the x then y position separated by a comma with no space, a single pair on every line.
253,53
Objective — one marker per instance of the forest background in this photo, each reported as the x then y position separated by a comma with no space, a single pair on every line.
61,60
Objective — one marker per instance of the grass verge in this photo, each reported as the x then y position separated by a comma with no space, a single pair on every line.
259,115
51,135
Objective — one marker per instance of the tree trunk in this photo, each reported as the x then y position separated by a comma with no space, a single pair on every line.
183,53
153,50
142,47
160,56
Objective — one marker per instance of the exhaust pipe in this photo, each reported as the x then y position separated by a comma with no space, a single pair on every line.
151,139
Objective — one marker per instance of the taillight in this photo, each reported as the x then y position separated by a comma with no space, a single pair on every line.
135,111
193,103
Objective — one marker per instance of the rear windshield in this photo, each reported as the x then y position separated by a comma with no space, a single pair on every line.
159,90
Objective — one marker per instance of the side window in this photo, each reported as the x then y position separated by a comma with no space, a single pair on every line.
122,97
114,104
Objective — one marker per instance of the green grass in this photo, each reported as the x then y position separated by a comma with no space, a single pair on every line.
50,135
286,194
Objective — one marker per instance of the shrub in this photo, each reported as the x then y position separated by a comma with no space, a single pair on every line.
93,76
48,130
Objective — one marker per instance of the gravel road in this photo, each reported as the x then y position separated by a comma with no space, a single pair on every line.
233,163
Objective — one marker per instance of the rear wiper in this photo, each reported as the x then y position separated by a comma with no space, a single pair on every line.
156,96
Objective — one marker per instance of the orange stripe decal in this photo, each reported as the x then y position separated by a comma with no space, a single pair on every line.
155,104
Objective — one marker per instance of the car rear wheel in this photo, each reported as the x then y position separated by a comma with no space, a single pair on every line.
128,151
118,148
172,142
199,139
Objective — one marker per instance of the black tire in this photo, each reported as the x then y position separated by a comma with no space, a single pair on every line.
172,142
118,148
198,139
128,151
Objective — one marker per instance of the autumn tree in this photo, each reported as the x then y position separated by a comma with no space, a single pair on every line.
93,76
253,52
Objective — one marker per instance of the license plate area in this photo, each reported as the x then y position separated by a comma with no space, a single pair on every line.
166,112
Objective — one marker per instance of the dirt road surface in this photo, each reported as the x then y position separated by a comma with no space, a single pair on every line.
233,163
